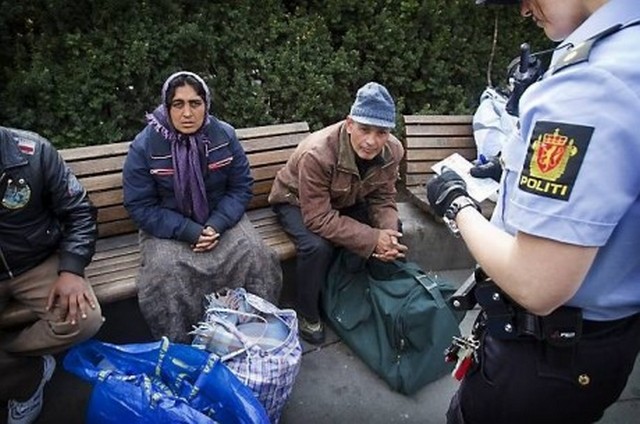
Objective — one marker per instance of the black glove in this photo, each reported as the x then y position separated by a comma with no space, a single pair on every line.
444,189
490,169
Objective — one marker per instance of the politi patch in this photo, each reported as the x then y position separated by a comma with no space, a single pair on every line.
554,157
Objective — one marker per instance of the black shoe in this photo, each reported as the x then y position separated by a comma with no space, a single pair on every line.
311,331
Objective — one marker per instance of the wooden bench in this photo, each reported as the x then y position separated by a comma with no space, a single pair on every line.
115,264
428,140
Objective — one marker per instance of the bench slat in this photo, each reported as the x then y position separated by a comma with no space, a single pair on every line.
440,142
272,143
265,222
102,182
118,274
107,197
117,290
115,253
271,157
258,214
104,245
285,251
267,172
271,233
112,213
438,130
259,201
270,130
262,187
421,167
107,266
92,152
111,164
114,228
438,154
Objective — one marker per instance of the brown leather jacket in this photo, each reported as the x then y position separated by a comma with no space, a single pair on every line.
322,177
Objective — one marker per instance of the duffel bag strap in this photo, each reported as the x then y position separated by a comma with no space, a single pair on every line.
424,280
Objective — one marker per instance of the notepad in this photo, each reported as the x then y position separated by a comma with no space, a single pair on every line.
478,188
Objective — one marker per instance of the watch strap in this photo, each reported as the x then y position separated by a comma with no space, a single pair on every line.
454,208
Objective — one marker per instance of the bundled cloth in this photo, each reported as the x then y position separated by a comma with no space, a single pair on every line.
492,125
257,341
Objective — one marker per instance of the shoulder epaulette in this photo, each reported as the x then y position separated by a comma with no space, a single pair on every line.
580,53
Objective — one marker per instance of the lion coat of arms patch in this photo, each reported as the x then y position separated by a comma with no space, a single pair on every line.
554,157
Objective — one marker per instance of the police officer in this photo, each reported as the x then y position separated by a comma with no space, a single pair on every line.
565,234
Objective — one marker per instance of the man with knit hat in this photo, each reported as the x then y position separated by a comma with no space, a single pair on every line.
338,189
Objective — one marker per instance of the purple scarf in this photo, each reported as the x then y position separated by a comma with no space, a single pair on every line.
189,164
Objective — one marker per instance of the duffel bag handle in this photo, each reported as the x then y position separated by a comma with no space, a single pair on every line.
424,280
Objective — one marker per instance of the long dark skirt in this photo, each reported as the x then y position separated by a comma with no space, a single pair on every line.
173,280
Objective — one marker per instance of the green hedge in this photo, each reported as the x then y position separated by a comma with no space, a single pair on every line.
85,72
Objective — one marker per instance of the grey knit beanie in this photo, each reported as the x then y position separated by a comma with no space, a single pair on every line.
374,106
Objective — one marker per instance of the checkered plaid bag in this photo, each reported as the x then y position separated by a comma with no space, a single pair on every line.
257,341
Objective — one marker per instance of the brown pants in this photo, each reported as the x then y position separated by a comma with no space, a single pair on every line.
21,350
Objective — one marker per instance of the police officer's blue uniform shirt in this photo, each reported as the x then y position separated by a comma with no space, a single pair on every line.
573,172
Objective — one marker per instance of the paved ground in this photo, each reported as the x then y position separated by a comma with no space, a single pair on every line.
333,386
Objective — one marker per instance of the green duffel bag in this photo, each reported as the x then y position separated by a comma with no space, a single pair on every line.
393,316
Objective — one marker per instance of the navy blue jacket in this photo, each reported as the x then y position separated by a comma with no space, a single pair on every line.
148,184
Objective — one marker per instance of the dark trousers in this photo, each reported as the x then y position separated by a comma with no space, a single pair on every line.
528,381
314,255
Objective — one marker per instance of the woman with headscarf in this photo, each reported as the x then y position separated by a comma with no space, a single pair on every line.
187,184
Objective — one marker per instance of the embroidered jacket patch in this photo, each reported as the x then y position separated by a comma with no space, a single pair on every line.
28,147
17,194
554,157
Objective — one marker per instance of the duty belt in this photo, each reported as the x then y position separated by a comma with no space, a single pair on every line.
505,319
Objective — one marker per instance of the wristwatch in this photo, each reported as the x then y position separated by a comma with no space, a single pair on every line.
452,211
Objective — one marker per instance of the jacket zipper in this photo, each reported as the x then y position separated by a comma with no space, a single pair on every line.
369,175
6,265
4,260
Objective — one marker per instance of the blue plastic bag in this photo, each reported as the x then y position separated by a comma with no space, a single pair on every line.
161,382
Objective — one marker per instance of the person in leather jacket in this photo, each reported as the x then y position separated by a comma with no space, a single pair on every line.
48,232
338,190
